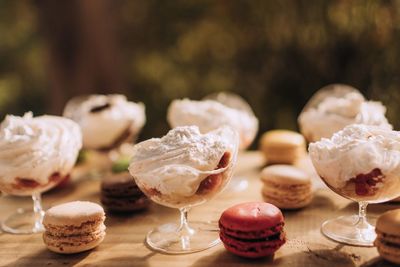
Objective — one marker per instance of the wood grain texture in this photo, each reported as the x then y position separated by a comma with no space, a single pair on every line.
124,246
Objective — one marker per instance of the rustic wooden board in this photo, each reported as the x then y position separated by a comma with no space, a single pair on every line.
124,245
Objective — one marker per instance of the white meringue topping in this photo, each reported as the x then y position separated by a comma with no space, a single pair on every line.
177,163
102,128
36,148
209,115
334,113
357,149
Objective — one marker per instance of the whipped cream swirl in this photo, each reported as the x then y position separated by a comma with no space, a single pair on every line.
177,163
209,115
105,118
334,113
36,148
357,149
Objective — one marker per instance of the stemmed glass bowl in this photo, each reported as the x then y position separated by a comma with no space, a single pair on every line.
28,221
363,172
190,237
95,126
326,112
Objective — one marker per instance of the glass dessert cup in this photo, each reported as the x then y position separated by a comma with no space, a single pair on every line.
28,221
186,238
372,187
101,158
237,183
333,90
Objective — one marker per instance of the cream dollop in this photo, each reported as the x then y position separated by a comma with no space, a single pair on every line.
334,113
209,115
177,163
357,149
36,148
105,118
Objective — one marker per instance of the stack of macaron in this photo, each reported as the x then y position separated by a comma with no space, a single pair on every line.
282,146
388,236
252,230
286,186
119,193
74,227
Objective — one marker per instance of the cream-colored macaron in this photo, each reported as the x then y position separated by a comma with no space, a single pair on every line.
388,236
286,186
282,146
74,227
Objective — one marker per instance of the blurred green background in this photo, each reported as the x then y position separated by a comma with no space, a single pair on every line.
275,54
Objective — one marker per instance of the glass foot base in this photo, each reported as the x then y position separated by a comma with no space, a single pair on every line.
350,230
169,239
23,222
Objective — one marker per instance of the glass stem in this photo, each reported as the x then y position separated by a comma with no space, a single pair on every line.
184,227
184,230
362,215
38,212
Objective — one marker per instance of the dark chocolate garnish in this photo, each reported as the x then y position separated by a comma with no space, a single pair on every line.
100,108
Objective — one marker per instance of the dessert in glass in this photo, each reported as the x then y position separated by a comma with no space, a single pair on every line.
109,124
334,107
213,111
183,169
361,163
36,153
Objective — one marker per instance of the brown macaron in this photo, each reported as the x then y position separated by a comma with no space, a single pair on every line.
119,193
388,236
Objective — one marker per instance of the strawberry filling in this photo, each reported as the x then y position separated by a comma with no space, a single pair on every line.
30,183
365,184
214,180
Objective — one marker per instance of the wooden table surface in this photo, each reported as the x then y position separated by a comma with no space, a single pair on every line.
124,246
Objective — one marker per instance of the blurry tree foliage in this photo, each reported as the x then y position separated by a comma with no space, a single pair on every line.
275,54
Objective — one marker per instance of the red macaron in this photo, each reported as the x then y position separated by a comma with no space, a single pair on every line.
252,230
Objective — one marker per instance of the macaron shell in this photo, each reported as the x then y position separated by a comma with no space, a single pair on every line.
390,253
389,222
298,189
282,175
63,247
73,213
282,138
288,203
251,216
250,249
296,197
283,156
282,146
